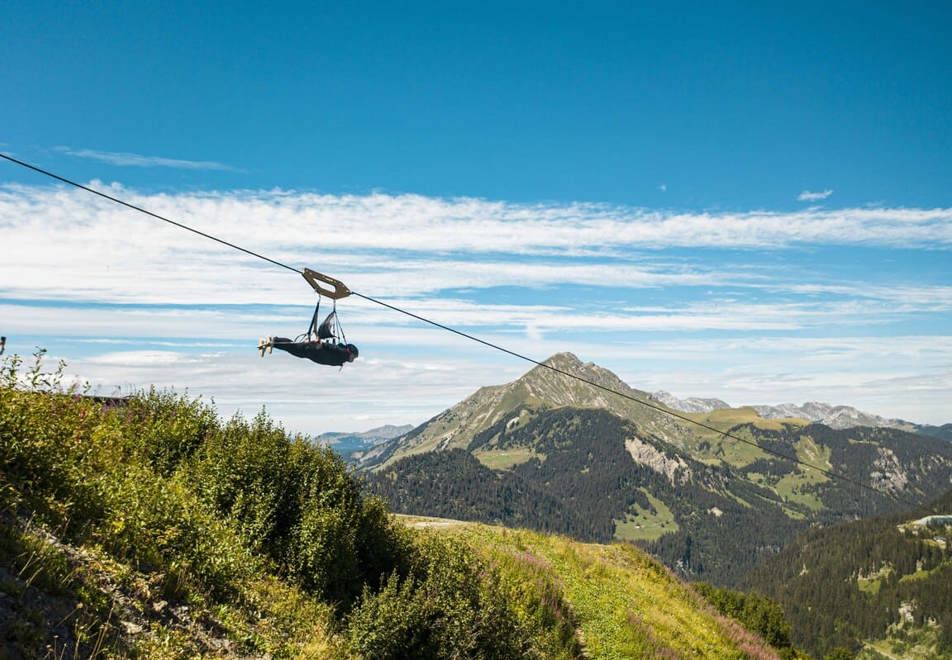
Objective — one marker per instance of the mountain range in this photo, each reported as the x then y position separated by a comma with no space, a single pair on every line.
351,446
834,416
549,452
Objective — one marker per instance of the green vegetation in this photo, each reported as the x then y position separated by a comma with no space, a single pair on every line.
799,486
880,585
715,448
646,524
907,642
758,614
624,604
108,547
503,459
148,527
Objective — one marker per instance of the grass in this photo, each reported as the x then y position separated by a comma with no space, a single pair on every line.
505,459
791,486
643,524
923,573
737,454
872,583
905,642
625,604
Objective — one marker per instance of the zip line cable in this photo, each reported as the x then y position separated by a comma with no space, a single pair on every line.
142,210
671,413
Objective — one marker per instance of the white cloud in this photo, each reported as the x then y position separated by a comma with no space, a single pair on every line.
61,243
808,196
125,159
308,398
663,187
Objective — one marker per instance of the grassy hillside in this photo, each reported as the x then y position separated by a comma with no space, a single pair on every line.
621,603
151,528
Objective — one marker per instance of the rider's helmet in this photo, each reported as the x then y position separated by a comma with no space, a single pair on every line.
352,350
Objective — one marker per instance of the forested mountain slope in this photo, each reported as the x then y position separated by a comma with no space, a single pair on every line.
709,506
882,585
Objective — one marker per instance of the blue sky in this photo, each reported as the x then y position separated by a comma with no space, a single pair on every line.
718,200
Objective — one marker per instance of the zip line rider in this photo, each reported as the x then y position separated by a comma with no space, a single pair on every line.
324,349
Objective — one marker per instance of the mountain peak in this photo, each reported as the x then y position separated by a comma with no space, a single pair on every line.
563,359
563,380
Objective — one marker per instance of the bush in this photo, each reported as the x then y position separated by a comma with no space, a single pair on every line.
449,606
757,613
88,470
297,505
158,482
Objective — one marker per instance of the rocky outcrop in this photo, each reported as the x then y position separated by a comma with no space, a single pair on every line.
673,467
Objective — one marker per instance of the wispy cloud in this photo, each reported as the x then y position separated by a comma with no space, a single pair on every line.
125,159
67,244
809,196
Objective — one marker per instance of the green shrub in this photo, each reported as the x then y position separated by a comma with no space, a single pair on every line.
166,428
757,613
158,483
298,505
88,470
449,606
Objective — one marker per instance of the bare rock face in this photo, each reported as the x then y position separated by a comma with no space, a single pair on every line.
673,467
888,473
692,404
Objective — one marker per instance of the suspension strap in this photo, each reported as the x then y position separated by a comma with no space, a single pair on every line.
340,328
317,310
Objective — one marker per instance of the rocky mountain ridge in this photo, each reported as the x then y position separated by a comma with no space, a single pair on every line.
543,387
834,416
351,446
375,435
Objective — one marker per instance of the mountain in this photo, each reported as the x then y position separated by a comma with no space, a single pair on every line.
944,431
882,585
836,417
693,404
352,445
550,453
512,404
375,435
